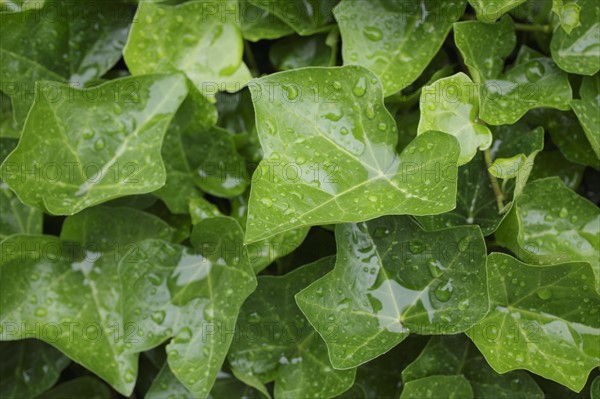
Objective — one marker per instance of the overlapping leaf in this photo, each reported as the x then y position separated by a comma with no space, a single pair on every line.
306,17
491,10
135,297
275,342
586,110
204,41
59,41
578,51
395,40
455,355
549,223
392,278
329,122
28,367
542,319
450,105
68,159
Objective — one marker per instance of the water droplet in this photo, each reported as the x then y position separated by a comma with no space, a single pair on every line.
416,247
270,127
334,116
564,212
185,335
373,33
158,317
443,292
99,144
155,279
534,71
40,312
370,111
360,88
372,198
343,131
266,202
574,219
544,293
435,267
88,134
254,317
179,19
382,126
292,91
549,218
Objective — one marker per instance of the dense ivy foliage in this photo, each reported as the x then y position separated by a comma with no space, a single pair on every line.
300,199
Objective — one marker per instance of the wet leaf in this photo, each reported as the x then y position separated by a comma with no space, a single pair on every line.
345,128
392,278
541,319
395,40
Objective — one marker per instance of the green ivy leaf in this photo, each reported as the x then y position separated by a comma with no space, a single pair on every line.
306,17
437,386
206,45
586,110
567,134
166,385
82,387
102,228
491,10
15,216
193,121
450,105
136,297
262,253
542,320
28,368
258,24
300,51
456,355
577,51
380,377
392,278
286,348
498,40
553,163
568,14
395,40
550,223
346,128
68,159
476,199
59,41
595,388
533,84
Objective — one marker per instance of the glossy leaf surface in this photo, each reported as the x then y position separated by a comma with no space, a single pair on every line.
392,278
542,319
578,51
65,163
395,40
286,348
54,40
306,17
549,223
491,10
203,43
450,105
28,368
345,128
586,110
460,357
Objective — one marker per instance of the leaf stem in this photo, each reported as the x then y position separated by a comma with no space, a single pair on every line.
497,190
250,58
533,28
